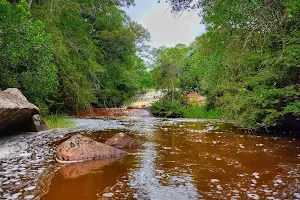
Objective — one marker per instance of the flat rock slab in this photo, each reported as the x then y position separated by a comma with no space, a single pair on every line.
122,140
14,108
79,148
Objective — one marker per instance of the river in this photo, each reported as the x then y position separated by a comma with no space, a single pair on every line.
180,159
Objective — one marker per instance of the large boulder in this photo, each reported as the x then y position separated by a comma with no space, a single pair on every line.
80,148
122,140
17,113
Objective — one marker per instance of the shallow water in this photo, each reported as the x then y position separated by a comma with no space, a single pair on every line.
180,159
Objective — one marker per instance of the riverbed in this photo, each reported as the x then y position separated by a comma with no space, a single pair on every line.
179,159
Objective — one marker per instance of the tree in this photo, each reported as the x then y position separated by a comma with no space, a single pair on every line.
247,62
25,55
169,62
95,46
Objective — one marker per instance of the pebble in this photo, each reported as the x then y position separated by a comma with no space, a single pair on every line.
30,188
14,196
108,194
297,195
29,197
254,181
253,196
267,191
21,173
219,187
278,181
6,182
256,175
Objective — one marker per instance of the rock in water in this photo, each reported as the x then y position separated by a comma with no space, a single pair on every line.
16,112
122,140
79,148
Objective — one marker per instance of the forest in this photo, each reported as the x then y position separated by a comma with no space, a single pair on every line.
247,64
70,55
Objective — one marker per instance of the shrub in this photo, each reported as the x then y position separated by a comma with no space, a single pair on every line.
195,111
168,108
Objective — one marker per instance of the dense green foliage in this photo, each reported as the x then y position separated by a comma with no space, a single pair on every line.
247,63
195,111
168,62
177,108
67,55
168,109
26,61
175,104
172,105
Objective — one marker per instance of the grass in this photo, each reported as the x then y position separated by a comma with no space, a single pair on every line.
196,111
58,121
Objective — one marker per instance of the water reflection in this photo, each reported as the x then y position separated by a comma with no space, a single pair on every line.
76,170
85,180
150,182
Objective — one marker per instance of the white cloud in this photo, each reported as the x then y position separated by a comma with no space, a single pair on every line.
169,30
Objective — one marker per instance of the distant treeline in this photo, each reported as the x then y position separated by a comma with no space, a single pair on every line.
247,63
66,55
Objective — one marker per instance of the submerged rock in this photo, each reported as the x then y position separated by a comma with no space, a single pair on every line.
79,148
122,140
17,113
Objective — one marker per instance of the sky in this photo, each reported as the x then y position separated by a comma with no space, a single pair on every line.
165,28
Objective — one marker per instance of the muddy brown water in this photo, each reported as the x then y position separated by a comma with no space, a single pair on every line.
180,159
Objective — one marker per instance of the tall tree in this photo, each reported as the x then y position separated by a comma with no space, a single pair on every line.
246,63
